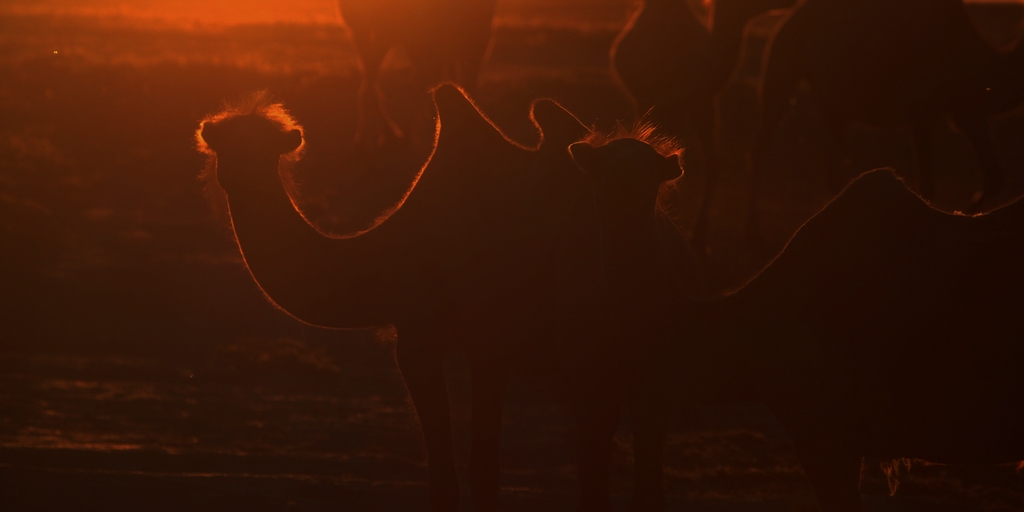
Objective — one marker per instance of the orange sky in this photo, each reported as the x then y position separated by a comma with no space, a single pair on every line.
203,11
228,11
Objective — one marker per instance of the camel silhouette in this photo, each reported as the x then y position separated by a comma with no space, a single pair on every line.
445,40
493,252
882,63
885,328
673,67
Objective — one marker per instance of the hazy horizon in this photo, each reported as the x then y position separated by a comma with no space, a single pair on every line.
282,11
217,12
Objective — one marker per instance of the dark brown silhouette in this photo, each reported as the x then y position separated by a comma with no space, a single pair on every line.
884,63
627,173
494,252
885,328
445,40
674,67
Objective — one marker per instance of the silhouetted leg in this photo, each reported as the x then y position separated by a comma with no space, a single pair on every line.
835,153
704,121
477,46
830,455
975,127
598,401
484,468
923,150
782,74
372,113
650,418
431,67
423,372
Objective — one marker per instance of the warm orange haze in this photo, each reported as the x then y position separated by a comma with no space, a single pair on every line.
253,258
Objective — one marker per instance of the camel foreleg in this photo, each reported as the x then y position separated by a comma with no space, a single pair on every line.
598,401
649,415
422,367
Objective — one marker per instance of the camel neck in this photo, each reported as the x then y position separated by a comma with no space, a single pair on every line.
317,279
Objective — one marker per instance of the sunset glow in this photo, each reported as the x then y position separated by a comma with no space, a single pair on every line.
232,338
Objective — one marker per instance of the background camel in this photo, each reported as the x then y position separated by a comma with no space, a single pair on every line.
673,67
444,40
912,63
494,252
885,328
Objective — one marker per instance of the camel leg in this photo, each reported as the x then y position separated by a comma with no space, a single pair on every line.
650,418
598,401
782,74
423,370
923,149
704,121
828,451
975,127
835,152
484,468
430,67
371,107
476,47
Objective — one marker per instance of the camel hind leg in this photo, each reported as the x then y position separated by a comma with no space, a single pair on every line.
374,126
829,451
648,410
923,151
476,45
598,398
704,121
488,398
783,71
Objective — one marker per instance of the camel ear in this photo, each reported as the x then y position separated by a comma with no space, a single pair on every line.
670,169
211,135
290,141
586,158
558,126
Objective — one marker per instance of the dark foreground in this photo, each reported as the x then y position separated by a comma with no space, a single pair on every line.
141,369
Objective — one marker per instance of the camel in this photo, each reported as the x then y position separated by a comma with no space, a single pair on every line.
673,68
883,63
885,328
493,252
444,40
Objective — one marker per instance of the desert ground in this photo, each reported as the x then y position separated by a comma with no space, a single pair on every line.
142,369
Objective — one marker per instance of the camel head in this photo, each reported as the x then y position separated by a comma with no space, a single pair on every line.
626,174
246,142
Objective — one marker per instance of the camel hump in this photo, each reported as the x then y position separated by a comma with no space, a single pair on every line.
558,127
460,120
